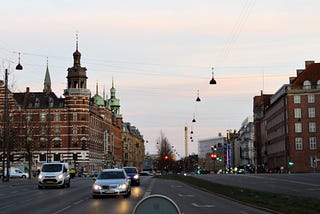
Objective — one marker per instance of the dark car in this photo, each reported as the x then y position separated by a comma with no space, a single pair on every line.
133,174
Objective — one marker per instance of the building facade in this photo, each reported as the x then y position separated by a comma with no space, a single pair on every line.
133,146
80,129
288,129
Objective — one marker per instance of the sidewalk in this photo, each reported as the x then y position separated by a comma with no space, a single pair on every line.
18,181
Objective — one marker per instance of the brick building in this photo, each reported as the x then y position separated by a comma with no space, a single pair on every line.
77,128
287,123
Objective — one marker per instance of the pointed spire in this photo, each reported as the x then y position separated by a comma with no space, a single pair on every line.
47,80
77,39
76,54
104,92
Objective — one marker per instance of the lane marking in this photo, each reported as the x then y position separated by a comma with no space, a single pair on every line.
60,211
78,202
180,195
204,205
149,189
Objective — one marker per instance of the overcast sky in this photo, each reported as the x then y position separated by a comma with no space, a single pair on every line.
161,54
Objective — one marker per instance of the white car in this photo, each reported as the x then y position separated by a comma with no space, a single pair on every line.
111,182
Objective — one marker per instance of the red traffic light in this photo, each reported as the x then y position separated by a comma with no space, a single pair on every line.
166,157
213,156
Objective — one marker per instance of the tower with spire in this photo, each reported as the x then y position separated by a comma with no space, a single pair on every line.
77,77
47,81
113,102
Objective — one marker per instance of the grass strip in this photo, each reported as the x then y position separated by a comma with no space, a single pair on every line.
278,202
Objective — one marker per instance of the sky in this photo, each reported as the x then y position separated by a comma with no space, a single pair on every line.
161,55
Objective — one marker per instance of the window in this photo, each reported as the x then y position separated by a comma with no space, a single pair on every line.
56,117
56,157
74,130
75,116
297,99
42,117
37,103
311,98
318,84
57,130
298,127
312,127
43,131
306,84
43,157
83,129
297,113
29,117
298,143
311,112
313,143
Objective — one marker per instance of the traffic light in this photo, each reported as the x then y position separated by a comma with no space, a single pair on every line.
291,163
166,157
213,156
214,148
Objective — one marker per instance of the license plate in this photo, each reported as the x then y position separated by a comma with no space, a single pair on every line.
49,182
108,191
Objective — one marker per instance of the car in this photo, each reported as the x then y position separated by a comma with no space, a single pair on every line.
113,182
146,173
54,174
133,174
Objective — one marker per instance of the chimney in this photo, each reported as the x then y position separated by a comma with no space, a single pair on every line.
299,71
291,79
307,63
27,90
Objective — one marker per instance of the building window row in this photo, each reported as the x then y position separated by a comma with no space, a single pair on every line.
298,127
312,143
311,112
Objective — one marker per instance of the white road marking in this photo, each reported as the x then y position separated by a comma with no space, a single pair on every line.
180,195
60,211
204,205
149,189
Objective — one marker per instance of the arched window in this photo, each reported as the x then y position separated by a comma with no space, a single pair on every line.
306,84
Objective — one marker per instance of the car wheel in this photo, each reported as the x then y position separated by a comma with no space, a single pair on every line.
23,176
95,196
68,184
39,187
128,194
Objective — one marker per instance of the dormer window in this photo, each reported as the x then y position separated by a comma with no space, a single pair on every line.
37,103
306,84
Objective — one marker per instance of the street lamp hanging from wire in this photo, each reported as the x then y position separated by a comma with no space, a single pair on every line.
212,81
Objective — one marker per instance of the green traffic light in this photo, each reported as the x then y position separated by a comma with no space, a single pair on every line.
291,163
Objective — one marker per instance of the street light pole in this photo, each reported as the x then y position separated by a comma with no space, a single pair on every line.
6,150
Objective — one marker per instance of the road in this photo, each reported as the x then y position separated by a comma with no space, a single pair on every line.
28,198
304,184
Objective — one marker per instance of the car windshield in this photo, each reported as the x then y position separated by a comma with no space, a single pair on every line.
52,168
130,170
111,175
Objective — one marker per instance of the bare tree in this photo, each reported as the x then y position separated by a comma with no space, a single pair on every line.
165,152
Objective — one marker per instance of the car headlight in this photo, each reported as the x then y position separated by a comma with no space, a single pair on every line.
96,187
136,176
60,176
122,186
40,176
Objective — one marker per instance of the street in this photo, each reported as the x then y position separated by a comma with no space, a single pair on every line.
22,195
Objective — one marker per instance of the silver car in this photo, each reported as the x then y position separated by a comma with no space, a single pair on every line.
111,182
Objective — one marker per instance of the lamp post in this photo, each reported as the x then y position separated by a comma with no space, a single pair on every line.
6,147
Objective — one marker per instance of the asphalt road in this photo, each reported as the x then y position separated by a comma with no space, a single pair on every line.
23,196
304,184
